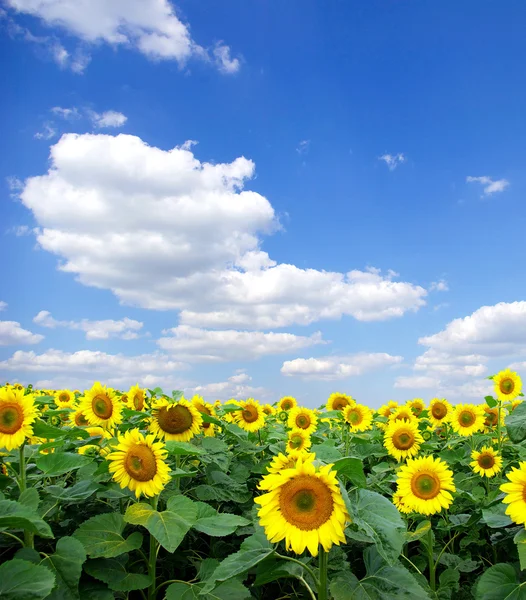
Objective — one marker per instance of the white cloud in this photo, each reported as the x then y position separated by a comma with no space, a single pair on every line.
149,26
195,344
416,382
240,378
47,132
491,186
11,334
235,387
3,305
303,147
21,230
329,368
393,160
110,118
439,286
163,230
125,329
69,114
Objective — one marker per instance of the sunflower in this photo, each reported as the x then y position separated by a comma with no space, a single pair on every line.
439,411
508,385
487,462
385,411
101,407
467,419
303,418
17,413
205,409
398,501
359,417
137,463
402,439
250,416
288,461
338,401
65,399
287,403
79,418
135,398
417,406
303,506
515,489
404,413
269,410
491,417
298,440
425,484
514,404
176,421
229,417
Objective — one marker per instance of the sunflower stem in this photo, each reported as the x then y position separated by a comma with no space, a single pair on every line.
152,563
29,538
498,426
301,564
322,565
432,566
178,466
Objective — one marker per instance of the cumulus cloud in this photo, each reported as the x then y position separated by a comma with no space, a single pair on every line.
110,118
163,230
329,368
12,334
416,382
393,160
3,305
439,286
490,186
150,26
235,387
125,329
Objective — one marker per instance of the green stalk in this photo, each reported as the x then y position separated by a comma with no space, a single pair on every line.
152,562
178,466
498,427
432,566
322,566
29,538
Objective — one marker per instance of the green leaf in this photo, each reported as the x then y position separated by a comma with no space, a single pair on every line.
183,449
76,493
490,401
18,516
48,432
220,524
235,564
516,424
59,463
352,468
496,517
520,540
500,582
168,527
95,590
230,590
327,452
421,529
102,536
382,582
66,563
30,498
380,520
22,580
112,571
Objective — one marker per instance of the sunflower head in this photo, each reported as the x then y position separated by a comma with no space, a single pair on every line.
508,385
338,401
402,439
403,413
101,406
287,403
178,421
288,461
269,410
298,440
79,418
417,406
205,409
386,410
467,419
136,398
65,399
358,416
303,505
17,413
491,417
303,418
487,462
439,411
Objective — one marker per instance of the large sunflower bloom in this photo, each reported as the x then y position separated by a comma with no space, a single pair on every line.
338,401
402,439
417,406
303,418
467,419
359,417
439,411
101,406
287,403
17,413
508,385
65,399
515,491
424,485
176,421
487,462
137,463
298,440
303,506
136,398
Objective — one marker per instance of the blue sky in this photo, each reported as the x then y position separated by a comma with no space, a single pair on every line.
349,219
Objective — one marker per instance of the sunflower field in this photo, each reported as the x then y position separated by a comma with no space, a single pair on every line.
137,494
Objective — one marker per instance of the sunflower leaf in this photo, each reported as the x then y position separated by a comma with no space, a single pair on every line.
16,515
498,582
66,563
112,571
22,580
60,463
352,468
102,536
516,424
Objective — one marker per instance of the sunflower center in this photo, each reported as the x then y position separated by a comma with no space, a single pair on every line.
340,403
425,486
416,410
102,406
287,404
204,411
507,386
439,410
11,418
250,414
403,440
466,418
296,442
491,417
176,419
403,415
140,463
486,461
306,502
64,397
80,420
138,401
303,421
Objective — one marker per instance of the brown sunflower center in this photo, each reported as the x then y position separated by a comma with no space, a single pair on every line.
287,404
250,414
64,397
466,418
204,411
403,439
491,417
403,415
417,409
267,410
439,410
306,502
354,417
486,460
507,386
140,463
138,401
80,420
340,403
296,442
425,485
102,406
176,419
11,418
303,421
